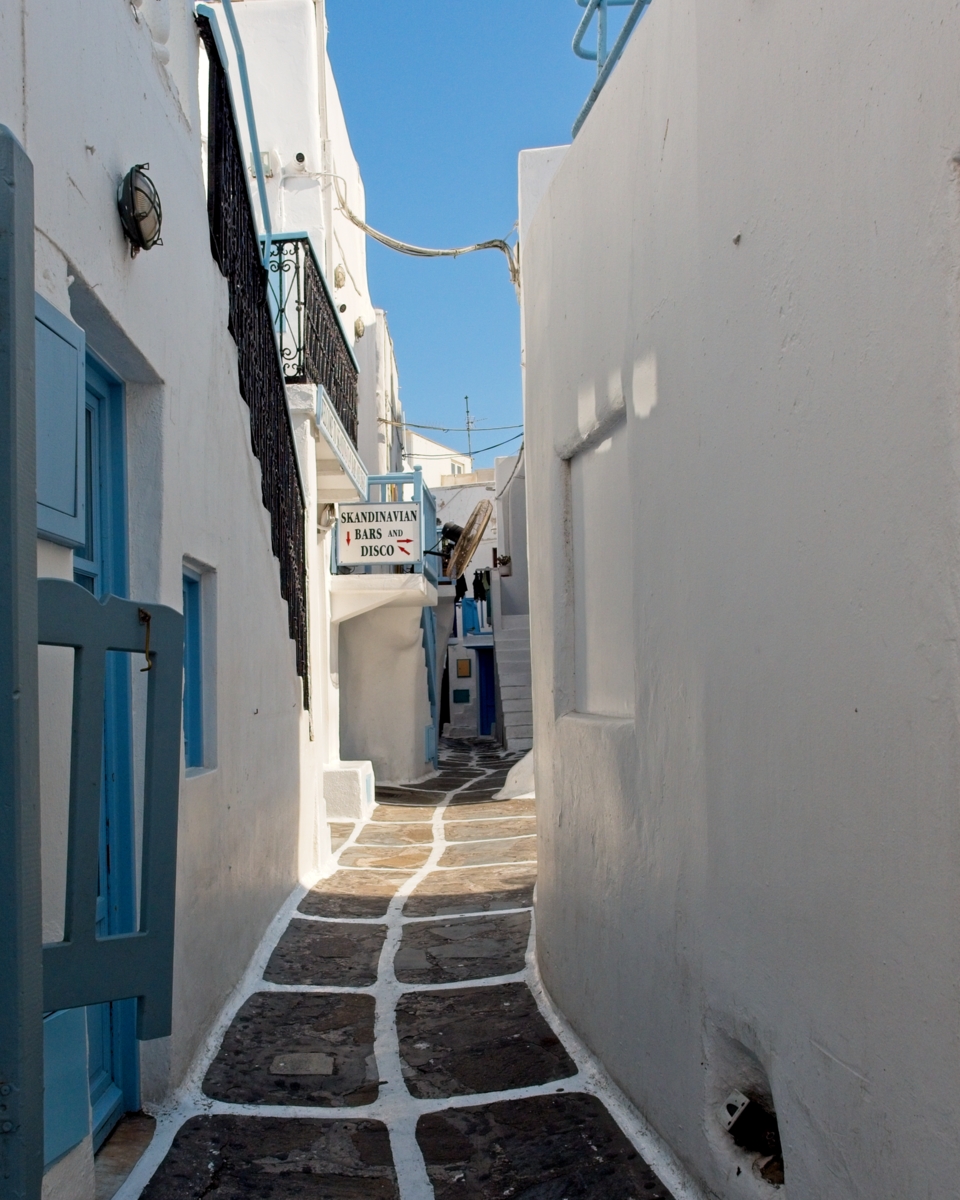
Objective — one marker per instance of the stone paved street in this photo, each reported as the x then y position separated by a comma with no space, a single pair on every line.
391,1043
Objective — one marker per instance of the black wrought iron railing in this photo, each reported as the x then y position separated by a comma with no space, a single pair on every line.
235,244
312,346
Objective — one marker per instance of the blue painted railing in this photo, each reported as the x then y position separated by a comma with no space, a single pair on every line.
405,486
605,60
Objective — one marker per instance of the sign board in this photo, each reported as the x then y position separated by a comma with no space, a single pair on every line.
379,533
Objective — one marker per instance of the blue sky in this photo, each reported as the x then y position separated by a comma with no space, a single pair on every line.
439,99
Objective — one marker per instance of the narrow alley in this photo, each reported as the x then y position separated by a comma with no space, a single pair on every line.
399,996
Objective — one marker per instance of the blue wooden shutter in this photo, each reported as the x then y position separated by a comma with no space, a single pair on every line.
61,453
66,1100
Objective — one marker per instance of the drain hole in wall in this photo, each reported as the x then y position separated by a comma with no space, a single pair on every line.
752,1123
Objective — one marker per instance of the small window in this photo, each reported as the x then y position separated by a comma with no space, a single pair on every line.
192,671
461,695
463,668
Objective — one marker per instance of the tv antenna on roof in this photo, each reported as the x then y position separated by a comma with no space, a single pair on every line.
469,425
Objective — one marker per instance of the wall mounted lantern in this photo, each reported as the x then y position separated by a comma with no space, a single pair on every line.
139,206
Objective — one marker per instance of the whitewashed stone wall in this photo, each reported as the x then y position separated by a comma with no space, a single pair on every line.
740,293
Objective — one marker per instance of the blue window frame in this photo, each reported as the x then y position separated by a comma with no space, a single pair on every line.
100,565
192,670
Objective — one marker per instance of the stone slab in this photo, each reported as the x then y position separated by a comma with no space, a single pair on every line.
483,889
395,813
268,1158
474,831
456,950
479,795
339,832
495,808
326,955
383,834
353,894
273,1024
564,1147
121,1152
419,797
480,1039
378,856
468,854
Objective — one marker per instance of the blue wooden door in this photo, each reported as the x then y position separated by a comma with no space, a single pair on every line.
487,701
101,567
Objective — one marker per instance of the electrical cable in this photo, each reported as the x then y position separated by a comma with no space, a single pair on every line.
423,251
495,446
447,428
512,473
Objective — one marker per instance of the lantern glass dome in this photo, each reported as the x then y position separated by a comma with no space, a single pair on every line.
139,206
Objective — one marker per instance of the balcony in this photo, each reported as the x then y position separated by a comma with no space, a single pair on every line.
313,346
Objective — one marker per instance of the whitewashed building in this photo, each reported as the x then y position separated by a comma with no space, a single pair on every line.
182,463
374,665
434,459
741,342
510,606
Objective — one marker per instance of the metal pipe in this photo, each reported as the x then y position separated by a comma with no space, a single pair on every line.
604,73
591,55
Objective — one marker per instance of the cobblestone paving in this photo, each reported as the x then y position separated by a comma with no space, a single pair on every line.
392,1046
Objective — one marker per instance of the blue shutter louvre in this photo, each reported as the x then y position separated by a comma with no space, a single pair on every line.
61,494
66,1103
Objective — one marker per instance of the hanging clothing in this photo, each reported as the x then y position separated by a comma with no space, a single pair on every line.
461,588
479,586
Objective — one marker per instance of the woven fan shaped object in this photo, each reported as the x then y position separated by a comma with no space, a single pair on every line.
469,540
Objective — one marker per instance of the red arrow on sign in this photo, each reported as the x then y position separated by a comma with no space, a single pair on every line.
348,537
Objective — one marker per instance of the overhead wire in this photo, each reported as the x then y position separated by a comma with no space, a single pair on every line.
448,428
512,473
495,446
425,251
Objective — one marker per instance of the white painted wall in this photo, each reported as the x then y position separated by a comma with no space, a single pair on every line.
98,89
512,584
380,436
744,272
384,706
298,109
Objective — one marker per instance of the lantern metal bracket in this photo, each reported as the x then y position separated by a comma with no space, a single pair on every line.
141,225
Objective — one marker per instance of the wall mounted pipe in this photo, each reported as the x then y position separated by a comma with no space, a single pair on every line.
605,64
